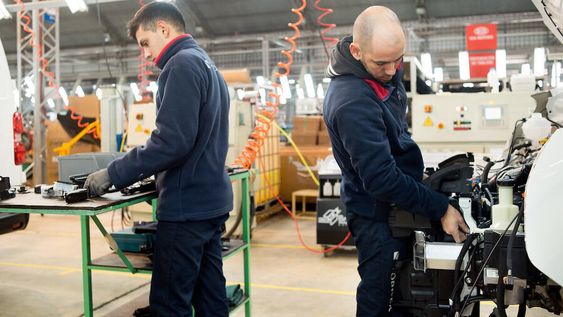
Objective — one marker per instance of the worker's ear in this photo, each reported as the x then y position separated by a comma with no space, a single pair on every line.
163,29
355,51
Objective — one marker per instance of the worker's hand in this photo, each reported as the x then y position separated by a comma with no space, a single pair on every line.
98,183
453,224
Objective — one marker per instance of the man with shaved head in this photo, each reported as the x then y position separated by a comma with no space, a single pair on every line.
365,111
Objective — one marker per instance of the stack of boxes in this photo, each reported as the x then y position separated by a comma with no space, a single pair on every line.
309,131
311,137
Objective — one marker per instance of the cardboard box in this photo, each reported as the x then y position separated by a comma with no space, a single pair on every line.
323,126
307,123
294,175
55,136
323,138
87,106
302,138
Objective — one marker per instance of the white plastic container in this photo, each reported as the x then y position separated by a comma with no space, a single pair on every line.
536,128
505,211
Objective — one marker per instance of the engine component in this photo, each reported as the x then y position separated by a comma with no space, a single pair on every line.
505,210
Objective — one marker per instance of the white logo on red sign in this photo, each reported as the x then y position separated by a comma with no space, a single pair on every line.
481,30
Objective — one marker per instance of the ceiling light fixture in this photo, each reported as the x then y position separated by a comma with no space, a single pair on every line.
76,6
4,14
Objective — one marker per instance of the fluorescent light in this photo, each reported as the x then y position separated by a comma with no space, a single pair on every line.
463,65
320,91
4,14
558,74
300,92
76,6
153,87
260,80
539,61
438,74
79,92
99,93
262,92
291,81
525,69
134,88
29,83
64,96
326,80
555,74
501,63
309,85
51,103
285,86
279,91
136,92
426,60
240,94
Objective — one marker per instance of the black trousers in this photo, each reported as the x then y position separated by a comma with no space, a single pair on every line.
188,270
378,257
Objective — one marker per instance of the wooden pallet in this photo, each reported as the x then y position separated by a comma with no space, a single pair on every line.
267,210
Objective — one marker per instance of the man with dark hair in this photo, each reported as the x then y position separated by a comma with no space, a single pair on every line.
186,153
365,112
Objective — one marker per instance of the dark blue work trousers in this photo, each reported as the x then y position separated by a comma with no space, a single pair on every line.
378,257
188,270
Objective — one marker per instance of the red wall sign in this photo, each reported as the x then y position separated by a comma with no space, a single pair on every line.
480,37
480,64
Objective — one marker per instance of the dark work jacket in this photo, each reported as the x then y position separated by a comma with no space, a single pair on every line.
381,164
187,150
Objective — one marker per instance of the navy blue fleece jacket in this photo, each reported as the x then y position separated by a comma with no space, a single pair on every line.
380,162
187,151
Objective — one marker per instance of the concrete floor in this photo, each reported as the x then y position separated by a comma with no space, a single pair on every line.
40,273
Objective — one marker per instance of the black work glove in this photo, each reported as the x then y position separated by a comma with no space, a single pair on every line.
98,183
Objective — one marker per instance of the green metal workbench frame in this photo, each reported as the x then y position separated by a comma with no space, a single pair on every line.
88,266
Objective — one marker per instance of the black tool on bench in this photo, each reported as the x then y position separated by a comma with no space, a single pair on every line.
6,192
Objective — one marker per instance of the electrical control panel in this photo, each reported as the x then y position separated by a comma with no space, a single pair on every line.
477,122
142,118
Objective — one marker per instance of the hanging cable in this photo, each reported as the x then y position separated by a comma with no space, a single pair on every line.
143,69
297,229
44,65
267,115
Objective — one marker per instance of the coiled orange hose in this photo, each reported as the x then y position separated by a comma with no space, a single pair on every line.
267,115
45,65
328,41
144,72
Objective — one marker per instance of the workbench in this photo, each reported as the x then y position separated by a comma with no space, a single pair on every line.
120,261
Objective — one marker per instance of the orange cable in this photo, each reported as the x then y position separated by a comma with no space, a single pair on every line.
327,26
299,235
44,67
267,115
144,72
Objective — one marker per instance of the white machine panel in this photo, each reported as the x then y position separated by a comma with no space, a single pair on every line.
467,121
7,109
142,118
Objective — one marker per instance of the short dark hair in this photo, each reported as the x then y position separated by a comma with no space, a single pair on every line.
149,14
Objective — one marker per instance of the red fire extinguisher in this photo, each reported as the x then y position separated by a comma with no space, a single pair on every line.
19,148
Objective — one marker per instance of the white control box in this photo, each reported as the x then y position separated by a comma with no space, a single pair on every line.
478,122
